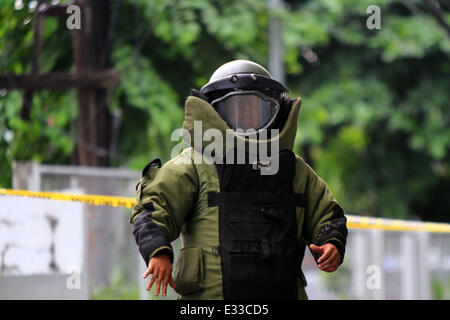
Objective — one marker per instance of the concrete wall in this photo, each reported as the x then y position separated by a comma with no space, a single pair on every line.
110,250
40,286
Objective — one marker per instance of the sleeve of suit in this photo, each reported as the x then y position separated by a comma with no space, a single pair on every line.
325,221
165,196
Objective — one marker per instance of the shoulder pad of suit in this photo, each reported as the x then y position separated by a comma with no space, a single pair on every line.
154,163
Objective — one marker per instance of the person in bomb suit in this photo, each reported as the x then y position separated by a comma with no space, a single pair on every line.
244,230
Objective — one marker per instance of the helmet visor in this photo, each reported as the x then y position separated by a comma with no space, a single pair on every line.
247,110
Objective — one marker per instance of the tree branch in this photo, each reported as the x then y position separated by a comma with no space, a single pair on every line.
433,6
61,80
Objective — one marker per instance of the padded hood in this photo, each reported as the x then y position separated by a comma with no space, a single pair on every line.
197,109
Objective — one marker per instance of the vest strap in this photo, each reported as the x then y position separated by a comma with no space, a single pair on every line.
255,199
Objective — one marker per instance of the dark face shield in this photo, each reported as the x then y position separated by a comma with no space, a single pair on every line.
247,110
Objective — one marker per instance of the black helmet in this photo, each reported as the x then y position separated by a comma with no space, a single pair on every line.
245,95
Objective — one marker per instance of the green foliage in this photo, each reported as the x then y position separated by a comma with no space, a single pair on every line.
118,289
333,283
49,136
144,89
440,290
374,122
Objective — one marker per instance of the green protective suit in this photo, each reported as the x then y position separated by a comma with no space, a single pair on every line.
176,195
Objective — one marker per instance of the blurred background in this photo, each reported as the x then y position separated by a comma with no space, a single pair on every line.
85,104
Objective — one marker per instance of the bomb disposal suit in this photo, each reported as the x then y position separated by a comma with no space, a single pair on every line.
244,232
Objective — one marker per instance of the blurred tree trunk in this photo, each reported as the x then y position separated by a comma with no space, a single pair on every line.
91,53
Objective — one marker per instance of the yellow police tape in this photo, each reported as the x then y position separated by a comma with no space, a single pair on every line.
353,222
357,222
97,200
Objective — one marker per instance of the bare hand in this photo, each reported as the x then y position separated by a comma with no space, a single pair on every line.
329,257
161,269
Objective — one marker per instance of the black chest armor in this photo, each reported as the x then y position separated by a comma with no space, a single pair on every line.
258,236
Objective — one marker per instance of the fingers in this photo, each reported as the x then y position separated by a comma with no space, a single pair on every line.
327,252
158,283
148,271
165,282
330,264
330,267
331,260
161,269
315,248
152,280
161,278
329,257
